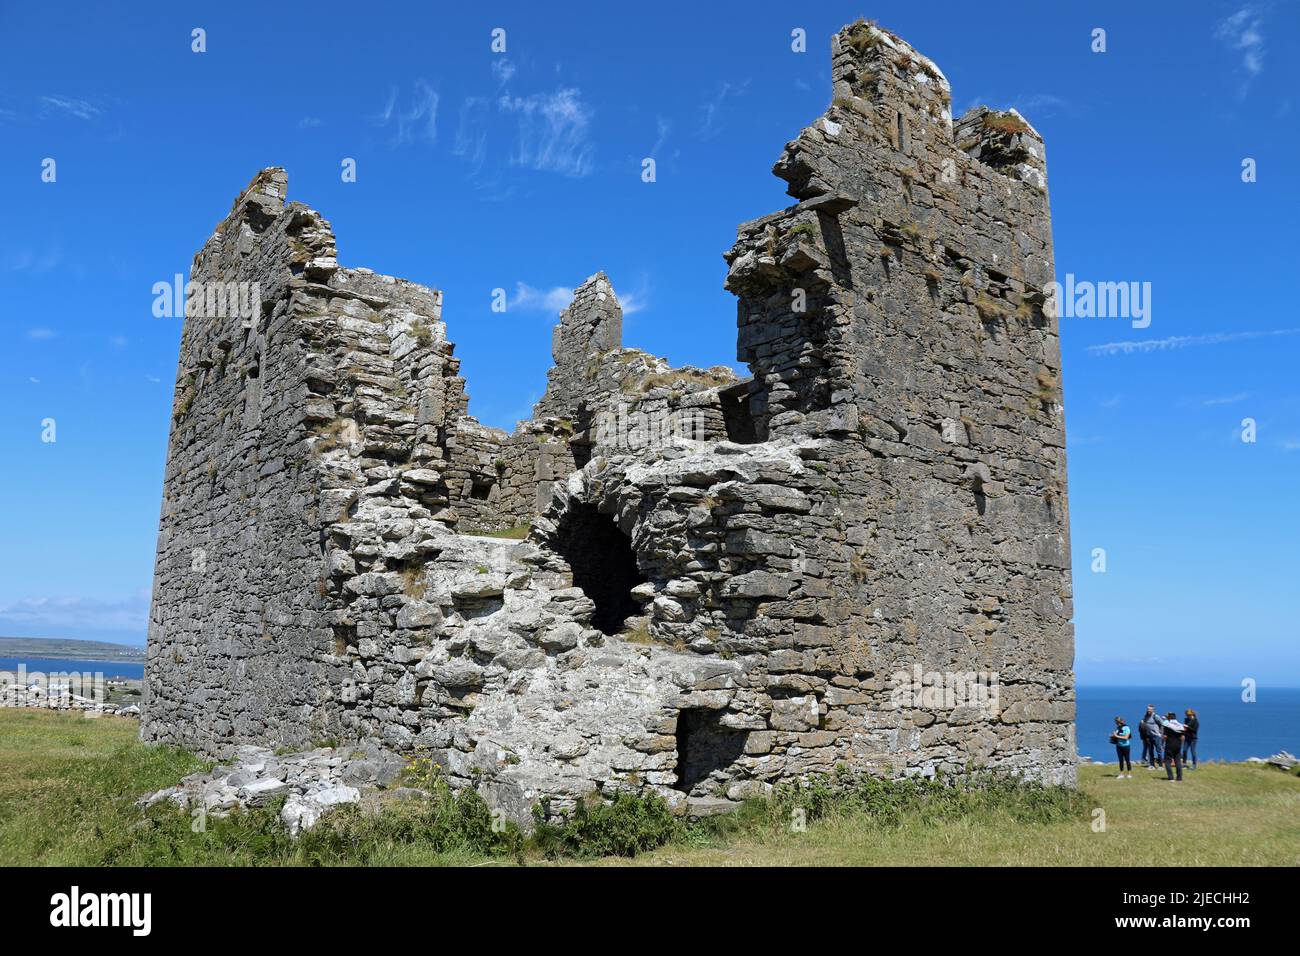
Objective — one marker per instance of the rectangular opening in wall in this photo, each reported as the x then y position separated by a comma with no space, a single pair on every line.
473,608
705,750
481,489
737,415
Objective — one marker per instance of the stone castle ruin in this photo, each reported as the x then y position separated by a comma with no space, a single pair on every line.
725,583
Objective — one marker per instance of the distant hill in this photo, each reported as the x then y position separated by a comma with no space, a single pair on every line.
58,648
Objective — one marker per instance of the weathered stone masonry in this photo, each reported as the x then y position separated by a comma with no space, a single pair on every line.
723,577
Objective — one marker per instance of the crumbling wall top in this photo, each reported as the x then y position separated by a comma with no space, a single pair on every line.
591,326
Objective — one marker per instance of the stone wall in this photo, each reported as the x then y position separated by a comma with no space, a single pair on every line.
726,583
342,385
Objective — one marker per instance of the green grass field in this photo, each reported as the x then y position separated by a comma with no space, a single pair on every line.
68,786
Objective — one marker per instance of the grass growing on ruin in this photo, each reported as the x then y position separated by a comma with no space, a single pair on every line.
862,35
517,533
803,230
1004,123
68,787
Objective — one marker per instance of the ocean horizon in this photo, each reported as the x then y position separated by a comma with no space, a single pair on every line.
1231,729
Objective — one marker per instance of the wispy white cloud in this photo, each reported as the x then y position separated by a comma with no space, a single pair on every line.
386,114
544,131
664,128
528,298
1028,105
72,106
76,615
1227,399
633,302
553,133
416,120
1040,104
472,131
310,122
503,70
711,109
1182,342
1243,32
553,301
28,260
40,333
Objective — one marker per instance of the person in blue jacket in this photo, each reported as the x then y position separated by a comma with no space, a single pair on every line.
1122,738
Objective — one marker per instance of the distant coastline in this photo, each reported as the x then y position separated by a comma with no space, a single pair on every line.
58,648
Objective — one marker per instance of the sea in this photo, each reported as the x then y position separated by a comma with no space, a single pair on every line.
131,670
1231,728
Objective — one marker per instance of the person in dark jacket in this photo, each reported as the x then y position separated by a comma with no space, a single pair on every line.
1193,725
1174,732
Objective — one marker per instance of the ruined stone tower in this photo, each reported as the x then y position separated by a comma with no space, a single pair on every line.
725,583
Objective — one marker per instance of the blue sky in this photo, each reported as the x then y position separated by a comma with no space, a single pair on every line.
521,171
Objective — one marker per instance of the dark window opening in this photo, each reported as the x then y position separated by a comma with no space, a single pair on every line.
481,488
345,636
704,746
1038,317
738,415
981,499
472,608
580,444
603,563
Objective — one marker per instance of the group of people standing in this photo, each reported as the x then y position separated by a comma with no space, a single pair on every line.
1165,740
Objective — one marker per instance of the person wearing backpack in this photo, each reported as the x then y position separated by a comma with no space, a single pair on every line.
1151,726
